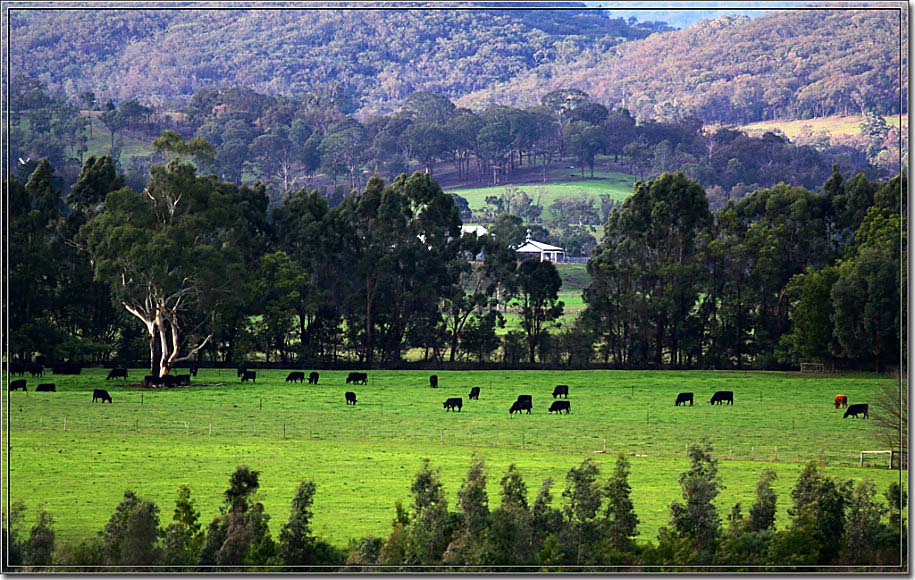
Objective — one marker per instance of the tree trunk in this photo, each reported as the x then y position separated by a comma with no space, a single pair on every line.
368,322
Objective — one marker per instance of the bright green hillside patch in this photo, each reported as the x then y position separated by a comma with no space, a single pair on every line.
100,142
363,458
617,185
575,279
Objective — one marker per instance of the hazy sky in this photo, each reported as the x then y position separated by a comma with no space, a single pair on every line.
683,14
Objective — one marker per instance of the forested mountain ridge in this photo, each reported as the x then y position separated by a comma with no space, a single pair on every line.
788,64
378,56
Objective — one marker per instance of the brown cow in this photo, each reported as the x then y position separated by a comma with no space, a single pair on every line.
841,400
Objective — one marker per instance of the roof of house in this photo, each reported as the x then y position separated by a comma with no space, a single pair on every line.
534,247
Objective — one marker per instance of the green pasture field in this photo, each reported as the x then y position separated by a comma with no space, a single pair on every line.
77,458
617,185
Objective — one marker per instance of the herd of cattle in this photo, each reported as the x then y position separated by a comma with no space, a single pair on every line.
524,403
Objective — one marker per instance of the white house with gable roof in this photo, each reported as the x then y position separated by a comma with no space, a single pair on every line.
539,250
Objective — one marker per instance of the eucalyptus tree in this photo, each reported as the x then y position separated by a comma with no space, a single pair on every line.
182,245
538,285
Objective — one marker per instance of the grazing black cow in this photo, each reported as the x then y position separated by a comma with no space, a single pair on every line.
313,378
101,395
150,380
560,406
36,370
357,378
16,368
453,403
855,410
295,377
169,381
720,397
193,368
116,374
46,388
182,380
433,381
18,385
240,372
350,397
474,393
249,376
561,391
68,368
684,398
524,403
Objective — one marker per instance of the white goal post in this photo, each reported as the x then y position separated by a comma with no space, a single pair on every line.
887,453
812,367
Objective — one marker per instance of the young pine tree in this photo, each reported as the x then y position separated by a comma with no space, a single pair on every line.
509,541
426,534
39,549
468,546
583,497
819,502
297,544
619,526
863,529
183,537
698,519
131,533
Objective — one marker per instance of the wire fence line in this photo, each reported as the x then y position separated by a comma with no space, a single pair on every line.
195,427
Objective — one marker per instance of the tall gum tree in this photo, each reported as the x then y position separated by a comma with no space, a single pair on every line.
177,246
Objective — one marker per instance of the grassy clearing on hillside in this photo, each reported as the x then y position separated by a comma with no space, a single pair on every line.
100,142
617,185
363,458
833,125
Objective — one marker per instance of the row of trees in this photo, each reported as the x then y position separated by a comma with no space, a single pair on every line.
781,276
205,268
832,523
208,270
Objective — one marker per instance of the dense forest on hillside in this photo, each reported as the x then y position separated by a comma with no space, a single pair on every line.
376,56
789,65
286,143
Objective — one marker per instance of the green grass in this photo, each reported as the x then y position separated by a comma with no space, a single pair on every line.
834,125
575,279
100,142
617,185
363,458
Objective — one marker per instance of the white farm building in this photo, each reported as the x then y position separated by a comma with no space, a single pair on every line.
539,250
